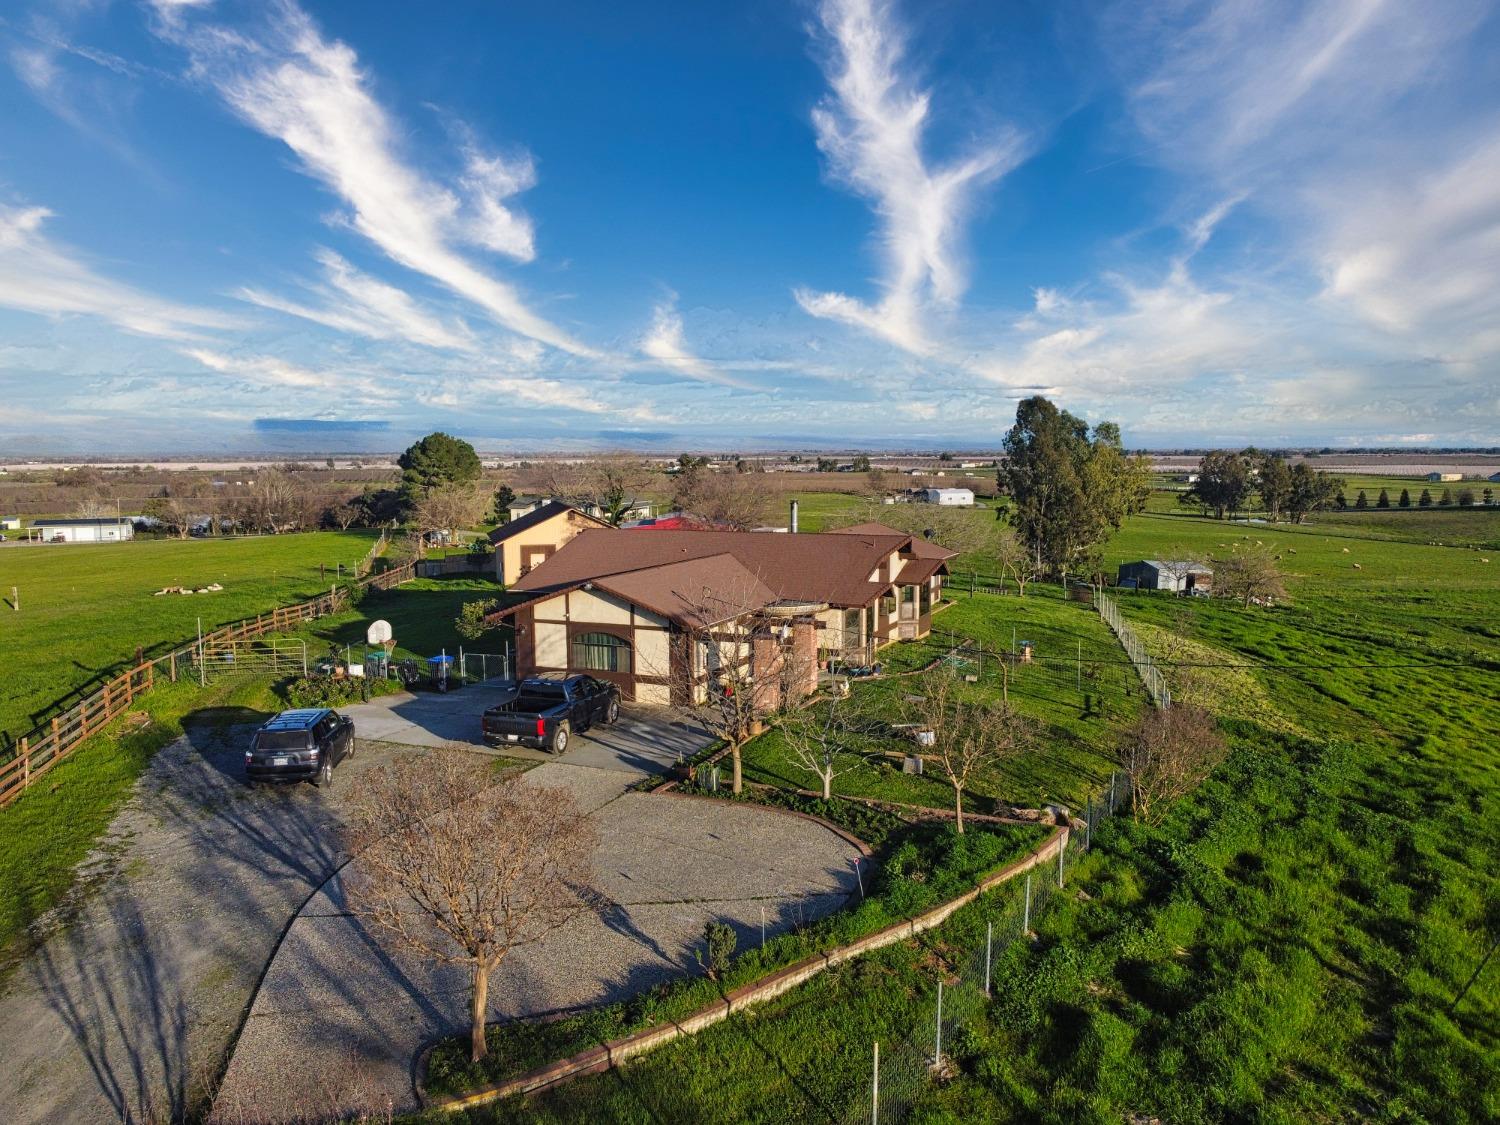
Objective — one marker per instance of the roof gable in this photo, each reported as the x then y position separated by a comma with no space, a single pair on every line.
537,516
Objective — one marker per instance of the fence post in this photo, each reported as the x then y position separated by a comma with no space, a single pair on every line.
25,762
989,941
875,1088
1026,912
1062,846
937,1055
1088,826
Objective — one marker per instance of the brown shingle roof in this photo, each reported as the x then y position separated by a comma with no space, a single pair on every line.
696,592
806,567
921,548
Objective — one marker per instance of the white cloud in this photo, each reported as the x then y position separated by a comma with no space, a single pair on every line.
40,276
665,343
489,181
260,368
871,130
1425,253
353,301
311,94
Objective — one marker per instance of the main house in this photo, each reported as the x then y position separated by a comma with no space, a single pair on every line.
653,612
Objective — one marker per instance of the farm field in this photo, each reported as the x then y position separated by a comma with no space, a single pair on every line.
85,609
1290,943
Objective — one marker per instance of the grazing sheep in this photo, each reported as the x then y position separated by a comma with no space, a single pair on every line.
1346,550
1291,550
1358,567
1484,560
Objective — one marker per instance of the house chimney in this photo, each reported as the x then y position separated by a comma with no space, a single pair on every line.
794,517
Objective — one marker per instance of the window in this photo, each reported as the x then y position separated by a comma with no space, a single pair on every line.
601,652
924,603
853,627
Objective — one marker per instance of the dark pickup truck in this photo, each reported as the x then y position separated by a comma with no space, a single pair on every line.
547,710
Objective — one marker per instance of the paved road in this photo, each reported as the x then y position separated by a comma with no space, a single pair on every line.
667,865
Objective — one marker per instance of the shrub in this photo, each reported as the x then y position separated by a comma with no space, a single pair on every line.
720,940
324,691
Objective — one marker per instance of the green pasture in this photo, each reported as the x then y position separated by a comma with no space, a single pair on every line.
85,609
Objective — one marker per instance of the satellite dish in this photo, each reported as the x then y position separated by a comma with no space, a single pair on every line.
378,633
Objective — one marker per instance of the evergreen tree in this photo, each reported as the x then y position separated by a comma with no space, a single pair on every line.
1424,500
1489,497
1071,488
1405,501
1446,499
1360,502
1383,500
1340,502
437,460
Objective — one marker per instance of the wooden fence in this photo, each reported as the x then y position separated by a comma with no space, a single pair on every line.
54,740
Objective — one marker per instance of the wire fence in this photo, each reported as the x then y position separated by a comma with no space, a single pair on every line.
900,1073
1151,675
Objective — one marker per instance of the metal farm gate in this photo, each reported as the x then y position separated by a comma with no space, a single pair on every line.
279,657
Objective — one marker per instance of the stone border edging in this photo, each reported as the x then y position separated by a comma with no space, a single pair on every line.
614,1053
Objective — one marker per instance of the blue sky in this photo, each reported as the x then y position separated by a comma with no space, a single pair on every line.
231,226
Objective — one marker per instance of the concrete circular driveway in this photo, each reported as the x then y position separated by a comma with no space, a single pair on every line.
645,740
341,1014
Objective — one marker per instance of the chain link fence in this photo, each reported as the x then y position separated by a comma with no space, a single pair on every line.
901,1072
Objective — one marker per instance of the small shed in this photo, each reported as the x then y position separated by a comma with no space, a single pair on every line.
1180,575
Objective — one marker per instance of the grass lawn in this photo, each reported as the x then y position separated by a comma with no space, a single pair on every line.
1078,706
85,609
421,613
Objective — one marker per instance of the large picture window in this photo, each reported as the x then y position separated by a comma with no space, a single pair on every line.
601,652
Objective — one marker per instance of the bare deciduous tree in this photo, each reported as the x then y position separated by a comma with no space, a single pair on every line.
449,508
606,486
969,734
1166,753
735,667
461,870
738,501
816,737
277,502
1250,574
1016,561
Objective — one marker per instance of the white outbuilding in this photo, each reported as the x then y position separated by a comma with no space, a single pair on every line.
946,497
104,530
